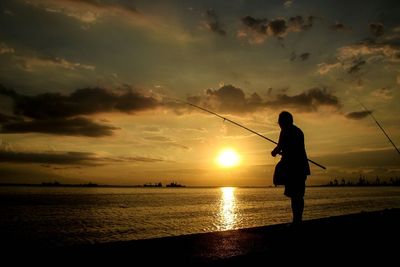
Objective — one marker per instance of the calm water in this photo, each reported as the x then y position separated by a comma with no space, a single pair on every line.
88,215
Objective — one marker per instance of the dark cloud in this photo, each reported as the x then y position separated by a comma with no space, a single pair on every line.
233,100
258,25
68,158
299,23
302,57
307,101
143,159
356,66
377,29
278,27
213,23
358,115
54,113
340,27
81,102
228,99
353,57
47,159
388,49
78,126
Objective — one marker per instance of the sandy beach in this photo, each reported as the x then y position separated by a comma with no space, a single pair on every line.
360,237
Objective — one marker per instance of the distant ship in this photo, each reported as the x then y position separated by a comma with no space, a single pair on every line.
153,185
175,184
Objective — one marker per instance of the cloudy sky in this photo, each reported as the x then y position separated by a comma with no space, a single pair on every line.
88,88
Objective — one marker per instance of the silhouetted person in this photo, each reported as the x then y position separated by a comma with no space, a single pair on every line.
294,161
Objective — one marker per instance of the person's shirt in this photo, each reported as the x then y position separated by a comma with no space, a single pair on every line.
292,148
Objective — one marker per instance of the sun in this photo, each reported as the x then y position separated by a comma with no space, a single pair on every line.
228,158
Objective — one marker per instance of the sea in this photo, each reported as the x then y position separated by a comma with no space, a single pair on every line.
63,216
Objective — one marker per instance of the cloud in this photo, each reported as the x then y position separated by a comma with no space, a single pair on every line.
68,158
277,28
389,51
78,126
132,159
80,102
233,100
257,25
151,129
258,30
377,29
351,57
324,68
301,57
304,56
54,113
340,27
358,115
29,63
383,94
90,12
299,23
356,66
5,49
213,23
87,11
288,3
228,98
307,101
166,141
158,138
62,158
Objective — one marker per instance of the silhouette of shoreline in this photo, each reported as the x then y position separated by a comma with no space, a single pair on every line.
156,185
363,181
361,236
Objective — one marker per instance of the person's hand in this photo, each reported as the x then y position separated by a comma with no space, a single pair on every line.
274,152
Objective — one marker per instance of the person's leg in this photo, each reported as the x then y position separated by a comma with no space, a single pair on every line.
297,208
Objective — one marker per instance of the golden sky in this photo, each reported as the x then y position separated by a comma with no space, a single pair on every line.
88,87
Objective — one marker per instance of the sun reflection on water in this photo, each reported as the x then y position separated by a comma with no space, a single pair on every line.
227,214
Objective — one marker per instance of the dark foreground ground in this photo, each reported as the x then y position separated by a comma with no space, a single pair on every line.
363,238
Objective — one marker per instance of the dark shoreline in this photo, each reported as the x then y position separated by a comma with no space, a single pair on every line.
92,185
359,237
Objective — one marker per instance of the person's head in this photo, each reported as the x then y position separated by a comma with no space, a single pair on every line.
285,119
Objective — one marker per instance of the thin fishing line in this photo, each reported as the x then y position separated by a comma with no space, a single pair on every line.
244,127
379,125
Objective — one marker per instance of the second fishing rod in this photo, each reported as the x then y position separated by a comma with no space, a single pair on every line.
241,126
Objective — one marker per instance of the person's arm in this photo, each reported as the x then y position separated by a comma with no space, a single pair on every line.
278,149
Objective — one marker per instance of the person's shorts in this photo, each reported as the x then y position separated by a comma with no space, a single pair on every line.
296,187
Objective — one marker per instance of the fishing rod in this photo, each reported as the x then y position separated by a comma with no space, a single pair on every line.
379,125
237,124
